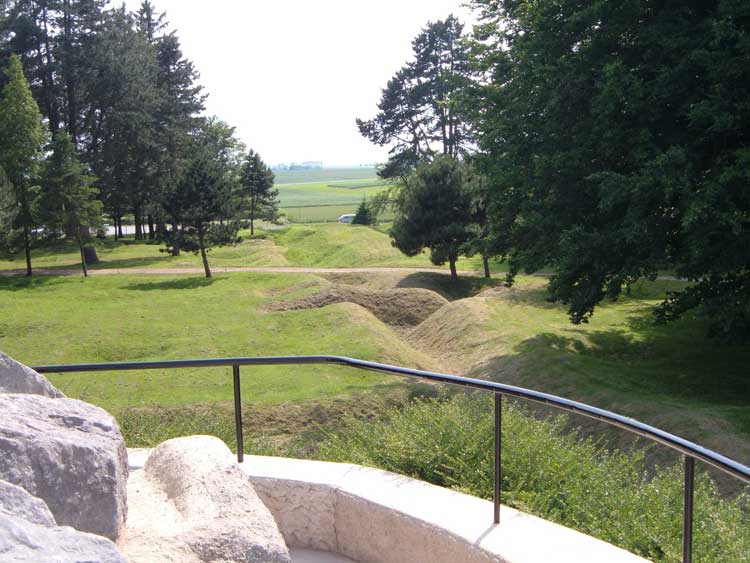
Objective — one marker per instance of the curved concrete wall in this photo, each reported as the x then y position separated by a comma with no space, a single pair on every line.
374,516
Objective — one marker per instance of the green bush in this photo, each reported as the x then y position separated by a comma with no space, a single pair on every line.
551,472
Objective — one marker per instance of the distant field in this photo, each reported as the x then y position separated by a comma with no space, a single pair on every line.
324,175
357,184
320,193
318,213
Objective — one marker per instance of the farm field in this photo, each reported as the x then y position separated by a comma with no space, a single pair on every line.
323,195
325,174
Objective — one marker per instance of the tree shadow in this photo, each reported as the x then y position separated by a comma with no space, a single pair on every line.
24,283
124,263
446,286
181,283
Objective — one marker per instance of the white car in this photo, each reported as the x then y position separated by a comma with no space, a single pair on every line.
348,218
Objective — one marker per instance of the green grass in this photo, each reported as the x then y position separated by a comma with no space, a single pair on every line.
671,376
324,175
321,193
551,472
358,184
315,245
123,318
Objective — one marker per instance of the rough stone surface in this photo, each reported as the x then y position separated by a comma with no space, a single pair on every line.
16,501
28,534
25,542
191,503
69,454
17,378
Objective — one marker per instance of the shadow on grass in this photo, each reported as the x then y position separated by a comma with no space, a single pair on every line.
181,283
446,286
124,263
23,283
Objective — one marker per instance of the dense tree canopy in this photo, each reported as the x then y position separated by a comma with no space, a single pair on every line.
616,136
435,212
68,201
21,140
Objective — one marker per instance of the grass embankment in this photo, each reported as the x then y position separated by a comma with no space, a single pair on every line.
331,245
123,318
551,472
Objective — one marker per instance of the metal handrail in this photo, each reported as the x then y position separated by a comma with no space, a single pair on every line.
690,450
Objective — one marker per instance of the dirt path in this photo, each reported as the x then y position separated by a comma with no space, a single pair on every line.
260,270
230,270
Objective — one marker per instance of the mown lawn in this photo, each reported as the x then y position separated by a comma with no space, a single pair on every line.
129,318
318,245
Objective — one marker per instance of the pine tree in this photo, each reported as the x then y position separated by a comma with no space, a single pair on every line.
22,137
422,111
68,199
435,212
200,202
260,199
364,215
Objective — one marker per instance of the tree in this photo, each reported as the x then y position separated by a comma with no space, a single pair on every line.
68,199
435,212
364,215
22,137
617,137
200,202
257,192
422,110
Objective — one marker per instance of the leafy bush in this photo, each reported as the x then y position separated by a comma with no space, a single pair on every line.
551,472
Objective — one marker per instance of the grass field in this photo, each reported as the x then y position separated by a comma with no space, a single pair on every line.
324,174
64,320
319,196
331,245
322,193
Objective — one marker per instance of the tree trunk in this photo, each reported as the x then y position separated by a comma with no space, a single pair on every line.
119,225
486,262
252,225
201,242
83,259
27,248
176,239
151,230
454,273
138,223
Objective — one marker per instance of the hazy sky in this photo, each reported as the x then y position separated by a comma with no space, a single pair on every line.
292,75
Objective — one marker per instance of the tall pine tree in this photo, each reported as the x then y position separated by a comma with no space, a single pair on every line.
22,137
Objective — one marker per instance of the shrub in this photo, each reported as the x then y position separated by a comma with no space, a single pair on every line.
551,472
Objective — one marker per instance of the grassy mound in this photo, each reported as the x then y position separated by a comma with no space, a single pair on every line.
395,307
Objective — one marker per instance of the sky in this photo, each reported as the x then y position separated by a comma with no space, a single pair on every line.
293,75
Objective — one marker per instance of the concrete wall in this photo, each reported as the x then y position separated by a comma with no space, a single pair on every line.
373,516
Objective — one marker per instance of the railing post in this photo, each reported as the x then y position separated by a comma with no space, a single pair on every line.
687,526
238,413
497,474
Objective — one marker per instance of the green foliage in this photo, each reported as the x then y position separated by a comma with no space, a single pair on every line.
364,215
550,472
201,199
616,141
256,190
21,140
434,212
422,109
67,201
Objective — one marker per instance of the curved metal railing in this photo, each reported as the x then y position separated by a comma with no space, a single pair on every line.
690,450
